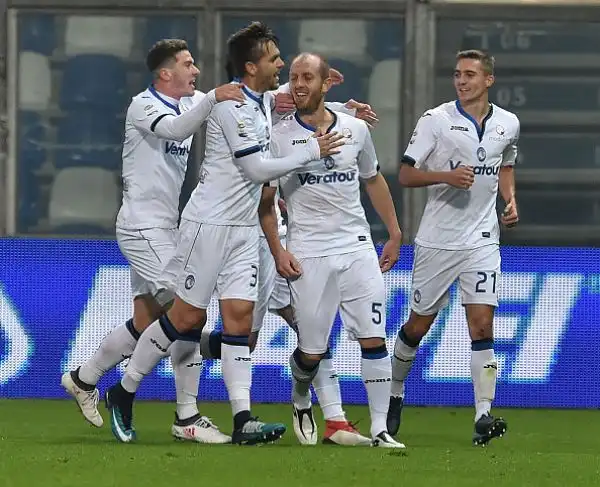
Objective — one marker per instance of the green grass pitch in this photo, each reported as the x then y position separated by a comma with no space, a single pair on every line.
48,444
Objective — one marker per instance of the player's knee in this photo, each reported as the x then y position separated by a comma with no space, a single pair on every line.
371,343
417,327
237,316
186,317
145,311
304,366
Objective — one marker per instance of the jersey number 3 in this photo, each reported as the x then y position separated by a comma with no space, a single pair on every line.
254,276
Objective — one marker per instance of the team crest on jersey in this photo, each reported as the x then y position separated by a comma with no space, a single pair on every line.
347,133
501,131
417,296
189,282
329,163
481,154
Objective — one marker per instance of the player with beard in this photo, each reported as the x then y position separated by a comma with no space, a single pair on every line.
217,250
330,260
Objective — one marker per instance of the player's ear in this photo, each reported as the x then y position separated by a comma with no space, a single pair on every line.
251,68
164,74
326,86
490,80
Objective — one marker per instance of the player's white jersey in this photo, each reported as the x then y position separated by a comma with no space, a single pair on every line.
153,168
446,137
224,196
323,200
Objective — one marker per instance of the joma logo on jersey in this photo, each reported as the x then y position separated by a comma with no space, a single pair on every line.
299,141
176,150
332,178
482,170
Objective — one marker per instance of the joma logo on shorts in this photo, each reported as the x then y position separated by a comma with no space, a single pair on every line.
176,150
332,178
484,170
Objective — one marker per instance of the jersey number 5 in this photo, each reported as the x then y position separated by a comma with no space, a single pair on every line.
376,309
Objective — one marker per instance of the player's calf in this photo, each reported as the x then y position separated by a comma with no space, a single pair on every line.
405,351
304,369
376,374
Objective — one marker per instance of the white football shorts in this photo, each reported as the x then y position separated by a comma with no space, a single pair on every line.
435,270
218,259
350,282
147,252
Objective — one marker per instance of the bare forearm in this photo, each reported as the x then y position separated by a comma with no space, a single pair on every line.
416,178
506,183
268,221
379,194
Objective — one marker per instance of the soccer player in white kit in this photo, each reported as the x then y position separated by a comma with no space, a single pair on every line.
159,128
274,295
463,151
218,243
337,265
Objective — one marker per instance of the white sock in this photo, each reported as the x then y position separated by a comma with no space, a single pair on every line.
187,367
152,346
484,369
114,348
402,361
376,371
237,371
210,346
327,388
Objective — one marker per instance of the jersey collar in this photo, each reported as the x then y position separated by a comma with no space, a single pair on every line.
480,130
313,129
172,103
253,95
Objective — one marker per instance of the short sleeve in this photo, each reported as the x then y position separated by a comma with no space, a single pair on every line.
238,125
145,112
509,156
368,166
422,142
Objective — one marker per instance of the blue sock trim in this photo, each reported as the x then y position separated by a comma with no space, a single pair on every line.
214,343
235,340
374,353
167,327
302,365
131,329
327,354
194,335
485,344
402,335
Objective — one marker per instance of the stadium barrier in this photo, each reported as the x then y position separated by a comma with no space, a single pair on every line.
58,298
